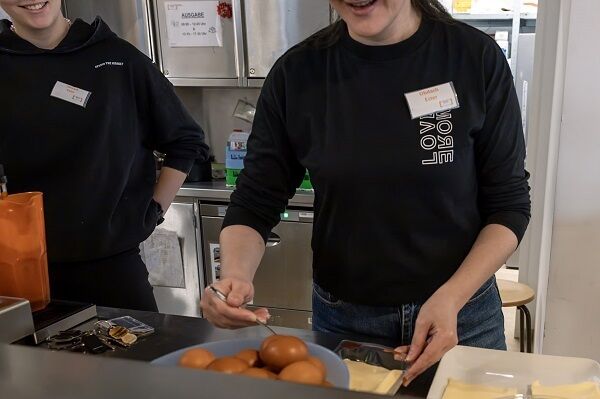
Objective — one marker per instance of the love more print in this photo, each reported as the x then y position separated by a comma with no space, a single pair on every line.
435,131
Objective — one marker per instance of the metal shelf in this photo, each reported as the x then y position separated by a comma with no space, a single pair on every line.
483,17
193,82
491,17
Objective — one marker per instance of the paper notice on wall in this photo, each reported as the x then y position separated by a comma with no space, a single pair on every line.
162,255
193,24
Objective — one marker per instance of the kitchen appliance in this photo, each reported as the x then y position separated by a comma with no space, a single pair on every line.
524,74
198,46
18,322
523,79
60,316
15,319
129,19
283,282
237,50
274,26
173,261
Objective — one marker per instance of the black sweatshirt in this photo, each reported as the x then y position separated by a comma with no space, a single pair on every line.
390,227
94,165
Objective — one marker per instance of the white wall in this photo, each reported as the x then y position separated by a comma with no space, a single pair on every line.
212,108
572,325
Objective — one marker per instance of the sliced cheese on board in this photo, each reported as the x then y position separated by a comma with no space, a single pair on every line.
460,390
584,390
367,378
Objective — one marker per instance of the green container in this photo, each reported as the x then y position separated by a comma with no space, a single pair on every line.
306,183
232,175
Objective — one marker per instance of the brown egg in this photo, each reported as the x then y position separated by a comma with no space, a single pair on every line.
228,365
303,372
250,356
318,363
259,373
327,384
269,339
282,351
196,358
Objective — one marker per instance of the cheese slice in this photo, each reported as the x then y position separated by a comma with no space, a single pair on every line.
585,390
460,390
368,378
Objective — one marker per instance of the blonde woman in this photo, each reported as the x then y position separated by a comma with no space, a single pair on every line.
82,112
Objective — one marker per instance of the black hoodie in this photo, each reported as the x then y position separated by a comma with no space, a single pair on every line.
94,164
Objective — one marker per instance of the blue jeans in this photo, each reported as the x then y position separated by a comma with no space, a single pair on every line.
480,322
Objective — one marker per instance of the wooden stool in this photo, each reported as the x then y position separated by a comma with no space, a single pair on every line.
519,295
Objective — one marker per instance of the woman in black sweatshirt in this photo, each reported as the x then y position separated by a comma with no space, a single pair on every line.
81,112
410,128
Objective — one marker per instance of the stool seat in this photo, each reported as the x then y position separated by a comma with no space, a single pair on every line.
514,294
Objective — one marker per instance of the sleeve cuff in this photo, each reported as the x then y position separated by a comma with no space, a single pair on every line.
237,215
515,221
182,165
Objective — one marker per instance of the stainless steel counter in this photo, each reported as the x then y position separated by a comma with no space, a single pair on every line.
218,191
27,372
32,373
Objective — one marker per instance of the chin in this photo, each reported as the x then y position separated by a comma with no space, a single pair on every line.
39,24
367,29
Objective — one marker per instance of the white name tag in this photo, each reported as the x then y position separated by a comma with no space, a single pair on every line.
431,100
71,94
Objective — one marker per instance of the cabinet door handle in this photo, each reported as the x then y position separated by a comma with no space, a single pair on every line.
273,241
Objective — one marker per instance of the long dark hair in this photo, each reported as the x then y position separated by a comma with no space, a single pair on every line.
430,9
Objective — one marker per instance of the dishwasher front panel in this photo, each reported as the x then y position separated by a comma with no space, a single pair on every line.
283,281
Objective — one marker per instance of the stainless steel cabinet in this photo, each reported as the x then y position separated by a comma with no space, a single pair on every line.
130,19
274,26
173,260
283,282
202,66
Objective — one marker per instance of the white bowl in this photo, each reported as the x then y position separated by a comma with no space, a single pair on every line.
337,372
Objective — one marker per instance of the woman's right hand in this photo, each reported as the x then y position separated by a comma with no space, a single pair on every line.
232,314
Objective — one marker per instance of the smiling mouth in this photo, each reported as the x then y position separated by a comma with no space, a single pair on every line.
35,6
361,4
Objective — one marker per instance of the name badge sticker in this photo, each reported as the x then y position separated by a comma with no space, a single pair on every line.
71,94
432,100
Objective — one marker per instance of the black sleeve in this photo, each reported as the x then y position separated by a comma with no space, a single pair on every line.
172,131
500,150
271,171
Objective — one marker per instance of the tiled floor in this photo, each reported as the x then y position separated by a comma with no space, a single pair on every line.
510,314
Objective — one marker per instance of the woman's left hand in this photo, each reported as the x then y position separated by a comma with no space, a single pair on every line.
435,334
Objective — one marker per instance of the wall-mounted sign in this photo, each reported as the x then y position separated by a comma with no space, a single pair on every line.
193,24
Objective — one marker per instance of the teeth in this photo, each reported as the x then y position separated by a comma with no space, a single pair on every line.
35,7
362,3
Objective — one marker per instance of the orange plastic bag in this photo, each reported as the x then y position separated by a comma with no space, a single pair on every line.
23,261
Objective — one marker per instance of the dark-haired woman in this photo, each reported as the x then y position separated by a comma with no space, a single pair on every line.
81,112
410,128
